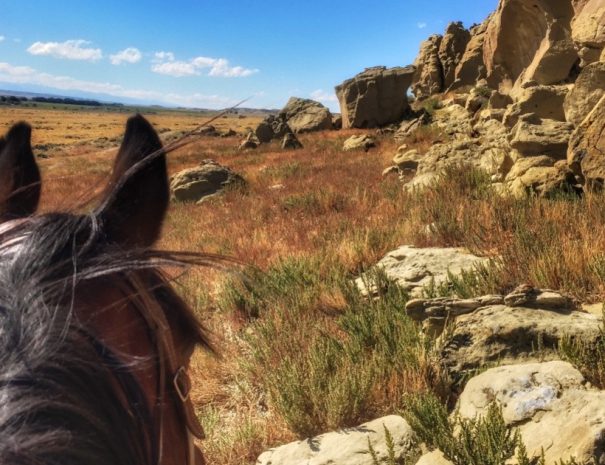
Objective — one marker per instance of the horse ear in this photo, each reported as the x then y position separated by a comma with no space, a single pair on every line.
19,174
137,196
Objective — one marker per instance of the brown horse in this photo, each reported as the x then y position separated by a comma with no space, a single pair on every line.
94,342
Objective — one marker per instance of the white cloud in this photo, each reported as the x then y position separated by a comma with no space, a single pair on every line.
322,96
2,38
165,63
421,25
27,75
128,55
69,50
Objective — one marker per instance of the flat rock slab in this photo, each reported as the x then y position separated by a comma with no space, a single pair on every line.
416,268
345,447
549,404
503,334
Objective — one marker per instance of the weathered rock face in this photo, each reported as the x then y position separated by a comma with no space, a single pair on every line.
550,404
511,331
543,101
535,136
540,175
428,79
451,50
304,115
348,446
586,93
416,268
586,154
472,67
529,40
375,97
250,142
361,142
588,30
207,179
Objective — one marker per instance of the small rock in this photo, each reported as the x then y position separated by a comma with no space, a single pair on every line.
361,142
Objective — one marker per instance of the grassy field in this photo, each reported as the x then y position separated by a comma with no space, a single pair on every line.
301,351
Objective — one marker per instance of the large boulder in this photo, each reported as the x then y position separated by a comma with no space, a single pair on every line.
416,269
586,153
586,93
471,67
199,183
529,40
375,97
349,446
305,115
542,176
428,79
588,30
550,404
451,50
535,136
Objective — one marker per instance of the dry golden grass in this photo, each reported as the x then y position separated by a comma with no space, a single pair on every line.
335,210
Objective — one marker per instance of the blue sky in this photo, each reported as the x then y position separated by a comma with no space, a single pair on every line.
211,53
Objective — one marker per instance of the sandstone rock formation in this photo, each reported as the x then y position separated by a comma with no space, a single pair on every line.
472,67
348,446
588,30
586,93
529,41
304,115
550,404
534,136
415,269
542,101
451,50
362,142
428,79
375,97
207,179
586,154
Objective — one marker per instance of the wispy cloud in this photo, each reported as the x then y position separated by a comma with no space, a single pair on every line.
128,55
69,50
166,63
321,96
421,25
26,75
2,38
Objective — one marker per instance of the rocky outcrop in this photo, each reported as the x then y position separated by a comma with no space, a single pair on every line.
348,446
554,410
534,136
526,319
543,101
250,142
375,97
428,79
415,269
199,183
451,50
586,93
305,115
529,41
586,154
362,142
472,67
542,176
588,30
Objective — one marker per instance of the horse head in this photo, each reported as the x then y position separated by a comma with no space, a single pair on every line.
94,342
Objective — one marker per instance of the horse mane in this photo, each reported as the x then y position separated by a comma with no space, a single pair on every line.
59,403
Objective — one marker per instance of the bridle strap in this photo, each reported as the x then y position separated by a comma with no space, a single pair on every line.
169,370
